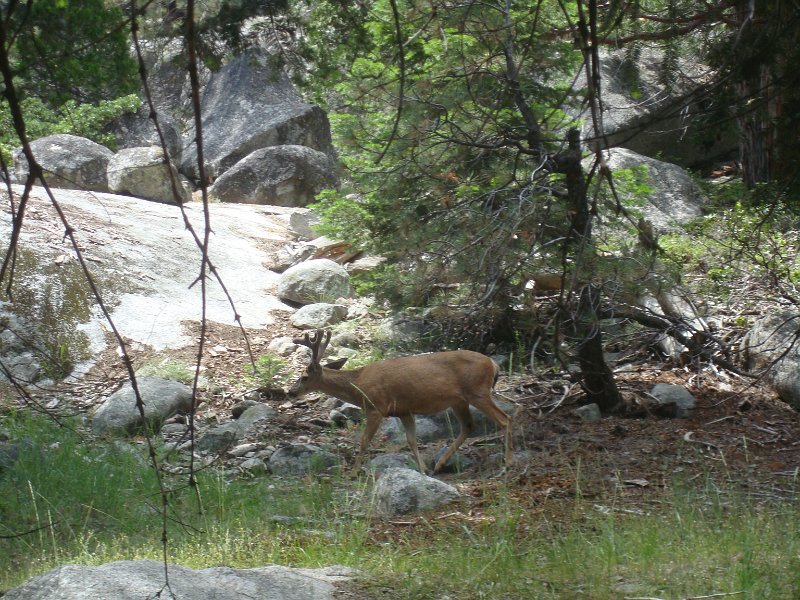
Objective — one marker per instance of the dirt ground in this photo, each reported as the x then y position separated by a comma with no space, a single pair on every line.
739,432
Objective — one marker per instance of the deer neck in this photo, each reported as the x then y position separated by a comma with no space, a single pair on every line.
341,384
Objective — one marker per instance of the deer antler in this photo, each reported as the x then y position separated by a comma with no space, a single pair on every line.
318,344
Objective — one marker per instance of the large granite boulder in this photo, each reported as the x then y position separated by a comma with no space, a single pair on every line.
137,579
771,347
281,175
674,198
248,105
162,398
141,172
644,112
315,281
136,130
69,162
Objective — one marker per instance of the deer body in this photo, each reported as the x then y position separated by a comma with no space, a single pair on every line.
412,385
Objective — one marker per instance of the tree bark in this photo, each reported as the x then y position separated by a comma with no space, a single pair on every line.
597,378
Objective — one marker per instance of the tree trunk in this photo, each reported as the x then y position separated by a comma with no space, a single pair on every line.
597,379
758,98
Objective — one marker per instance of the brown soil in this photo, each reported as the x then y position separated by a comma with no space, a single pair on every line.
739,433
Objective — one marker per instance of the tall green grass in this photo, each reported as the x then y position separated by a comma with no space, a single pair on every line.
96,503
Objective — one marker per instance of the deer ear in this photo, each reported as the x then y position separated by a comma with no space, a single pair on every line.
336,364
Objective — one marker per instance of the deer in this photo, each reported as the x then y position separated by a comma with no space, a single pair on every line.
423,384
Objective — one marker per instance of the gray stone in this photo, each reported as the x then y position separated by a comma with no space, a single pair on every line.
300,459
675,197
302,221
243,449
401,491
668,393
319,315
643,114
162,398
365,264
400,331
18,337
389,460
248,105
347,413
346,339
141,172
279,176
457,463
69,162
448,422
134,130
237,410
137,579
590,413
254,466
444,425
282,346
314,281
427,429
770,346
229,434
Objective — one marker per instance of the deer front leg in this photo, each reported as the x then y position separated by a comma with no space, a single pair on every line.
467,425
410,427
374,419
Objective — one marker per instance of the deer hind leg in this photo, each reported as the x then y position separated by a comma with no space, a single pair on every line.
487,406
464,417
410,427
374,419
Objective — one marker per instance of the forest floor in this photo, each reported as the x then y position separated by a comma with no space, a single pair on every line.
740,433
739,440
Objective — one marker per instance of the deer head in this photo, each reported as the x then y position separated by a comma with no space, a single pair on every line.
311,380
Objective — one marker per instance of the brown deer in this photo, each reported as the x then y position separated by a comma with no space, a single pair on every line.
411,385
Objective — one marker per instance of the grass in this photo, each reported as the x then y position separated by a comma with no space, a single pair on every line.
98,503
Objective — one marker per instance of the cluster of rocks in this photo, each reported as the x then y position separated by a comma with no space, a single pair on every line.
243,442
262,145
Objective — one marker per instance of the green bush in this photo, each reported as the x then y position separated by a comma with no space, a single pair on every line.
85,120
269,372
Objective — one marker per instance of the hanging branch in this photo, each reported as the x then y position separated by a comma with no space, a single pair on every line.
36,174
401,63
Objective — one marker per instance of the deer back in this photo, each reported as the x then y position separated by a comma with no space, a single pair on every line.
426,383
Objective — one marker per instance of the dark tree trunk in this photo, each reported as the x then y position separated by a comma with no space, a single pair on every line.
597,379
756,132
758,98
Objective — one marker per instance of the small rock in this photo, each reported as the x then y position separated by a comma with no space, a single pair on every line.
242,406
404,491
667,393
300,459
254,466
242,449
318,315
282,346
455,464
589,413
